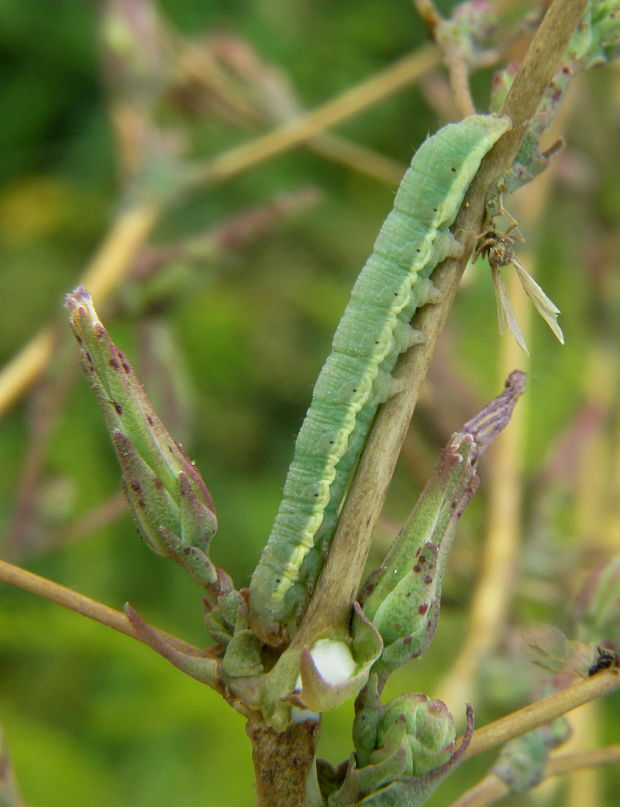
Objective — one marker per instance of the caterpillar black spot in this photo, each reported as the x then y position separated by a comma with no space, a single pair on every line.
355,379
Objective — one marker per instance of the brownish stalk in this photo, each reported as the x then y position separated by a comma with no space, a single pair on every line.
207,68
543,711
357,157
307,126
584,785
93,609
492,789
105,272
282,762
337,587
133,226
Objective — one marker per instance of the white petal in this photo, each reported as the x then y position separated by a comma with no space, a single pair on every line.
333,660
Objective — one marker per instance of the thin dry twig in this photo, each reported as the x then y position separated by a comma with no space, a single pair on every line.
357,157
585,785
543,711
485,792
561,764
107,269
429,15
93,609
304,128
132,227
492,789
266,93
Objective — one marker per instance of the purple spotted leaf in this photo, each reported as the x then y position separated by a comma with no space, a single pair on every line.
402,597
415,750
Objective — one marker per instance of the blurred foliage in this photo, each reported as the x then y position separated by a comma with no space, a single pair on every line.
94,718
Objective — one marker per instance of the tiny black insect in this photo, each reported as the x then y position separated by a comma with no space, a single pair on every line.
605,660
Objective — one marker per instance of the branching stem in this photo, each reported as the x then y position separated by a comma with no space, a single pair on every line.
131,229
491,788
337,587
107,269
93,609
542,711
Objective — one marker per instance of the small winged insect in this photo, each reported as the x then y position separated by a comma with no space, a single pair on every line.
499,250
605,660
549,648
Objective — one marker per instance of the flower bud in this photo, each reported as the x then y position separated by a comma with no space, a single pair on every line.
424,727
166,494
402,597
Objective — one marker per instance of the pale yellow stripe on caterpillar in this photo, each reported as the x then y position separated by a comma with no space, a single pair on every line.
372,333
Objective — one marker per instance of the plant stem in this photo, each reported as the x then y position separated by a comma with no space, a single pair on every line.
485,792
584,785
93,609
105,272
491,788
336,589
358,158
543,711
560,764
282,762
329,114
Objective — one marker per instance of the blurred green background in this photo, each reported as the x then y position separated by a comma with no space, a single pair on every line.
228,346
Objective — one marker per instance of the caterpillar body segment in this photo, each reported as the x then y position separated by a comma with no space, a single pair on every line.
373,331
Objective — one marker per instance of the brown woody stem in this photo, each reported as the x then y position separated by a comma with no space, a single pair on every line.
282,762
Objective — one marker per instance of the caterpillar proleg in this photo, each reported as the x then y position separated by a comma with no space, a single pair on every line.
356,377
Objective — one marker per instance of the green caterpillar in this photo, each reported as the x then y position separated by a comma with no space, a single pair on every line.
356,377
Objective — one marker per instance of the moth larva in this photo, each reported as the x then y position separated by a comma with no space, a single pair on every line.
356,377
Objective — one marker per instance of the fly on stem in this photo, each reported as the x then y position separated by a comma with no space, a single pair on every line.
499,251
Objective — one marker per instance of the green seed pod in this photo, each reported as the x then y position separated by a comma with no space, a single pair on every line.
402,597
166,494
522,761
